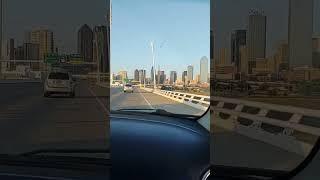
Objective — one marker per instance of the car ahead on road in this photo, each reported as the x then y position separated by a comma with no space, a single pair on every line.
59,82
128,88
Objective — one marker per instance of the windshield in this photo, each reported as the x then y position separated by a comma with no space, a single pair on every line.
39,108
59,76
265,86
168,70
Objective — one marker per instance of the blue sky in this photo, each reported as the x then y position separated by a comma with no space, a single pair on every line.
180,26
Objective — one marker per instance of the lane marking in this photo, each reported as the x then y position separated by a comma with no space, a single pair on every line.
98,100
145,99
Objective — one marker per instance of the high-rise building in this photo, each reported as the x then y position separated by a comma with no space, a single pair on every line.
223,56
190,73
300,33
243,61
18,53
162,77
45,39
316,52
101,47
122,75
184,76
142,76
136,75
31,52
152,74
204,70
8,49
85,43
257,33
238,39
173,77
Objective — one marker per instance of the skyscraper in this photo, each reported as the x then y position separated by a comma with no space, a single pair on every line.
136,75
142,76
257,35
184,76
162,77
300,32
238,39
85,43
190,73
45,39
101,48
204,69
173,77
152,74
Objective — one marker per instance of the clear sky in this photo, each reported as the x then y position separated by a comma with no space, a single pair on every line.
230,15
180,29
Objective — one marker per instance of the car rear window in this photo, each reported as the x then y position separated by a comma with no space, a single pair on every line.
128,85
60,76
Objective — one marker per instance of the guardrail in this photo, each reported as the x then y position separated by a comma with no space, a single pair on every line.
290,128
196,101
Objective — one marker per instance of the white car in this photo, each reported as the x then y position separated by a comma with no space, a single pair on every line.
128,88
59,82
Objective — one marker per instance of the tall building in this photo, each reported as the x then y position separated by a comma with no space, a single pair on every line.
223,56
142,76
152,74
243,61
162,77
136,75
31,52
316,52
190,73
238,39
123,75
85,43
173,77
8,49
204,70
101,47
45,39
257,33
300,33
19,53
184,76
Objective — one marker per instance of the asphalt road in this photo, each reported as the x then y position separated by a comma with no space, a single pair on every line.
146,100
29,121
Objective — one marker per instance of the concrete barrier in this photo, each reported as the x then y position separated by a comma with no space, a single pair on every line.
196,101
289,128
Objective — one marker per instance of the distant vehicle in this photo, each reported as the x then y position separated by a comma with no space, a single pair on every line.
59,82
128,88
167,88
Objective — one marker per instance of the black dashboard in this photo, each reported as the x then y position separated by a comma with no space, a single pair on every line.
142,147
153,147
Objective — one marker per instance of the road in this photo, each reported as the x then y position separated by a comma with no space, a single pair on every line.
28,121
143,99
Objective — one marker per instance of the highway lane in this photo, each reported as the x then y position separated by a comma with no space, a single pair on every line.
29,121
143,99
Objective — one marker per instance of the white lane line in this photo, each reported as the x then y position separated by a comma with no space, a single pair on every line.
99,101
145,99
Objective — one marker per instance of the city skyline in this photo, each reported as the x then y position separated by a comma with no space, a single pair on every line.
277,21
176,43
64,24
